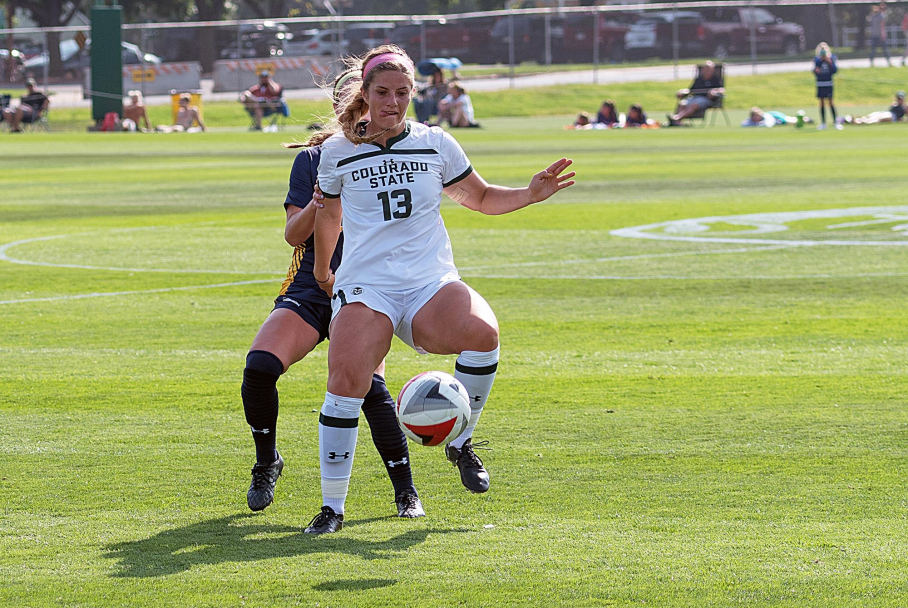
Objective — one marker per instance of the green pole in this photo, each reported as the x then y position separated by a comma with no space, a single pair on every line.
106,60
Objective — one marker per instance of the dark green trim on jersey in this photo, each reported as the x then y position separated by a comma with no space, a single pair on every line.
400,136
456,179
353,159
338,423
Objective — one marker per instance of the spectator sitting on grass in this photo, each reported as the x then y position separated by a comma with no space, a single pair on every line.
187,117
895,113
135,112
582,122
456,107
636,117
426,103
607,115
703,93
31,106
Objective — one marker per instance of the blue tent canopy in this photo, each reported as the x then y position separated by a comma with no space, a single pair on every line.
427,67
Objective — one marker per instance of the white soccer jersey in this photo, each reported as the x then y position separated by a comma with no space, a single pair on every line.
394,237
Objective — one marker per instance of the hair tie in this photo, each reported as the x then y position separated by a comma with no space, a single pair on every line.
384,58
341,81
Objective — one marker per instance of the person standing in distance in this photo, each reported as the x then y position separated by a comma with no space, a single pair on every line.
398,276
824,66
298,322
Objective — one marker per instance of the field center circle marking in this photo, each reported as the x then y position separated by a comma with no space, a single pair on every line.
768,223
6,257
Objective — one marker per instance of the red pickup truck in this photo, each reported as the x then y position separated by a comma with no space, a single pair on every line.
727,32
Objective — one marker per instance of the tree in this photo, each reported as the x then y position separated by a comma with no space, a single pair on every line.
209,10
52,13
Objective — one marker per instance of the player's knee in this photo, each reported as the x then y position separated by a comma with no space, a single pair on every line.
484,337
262,368
346,381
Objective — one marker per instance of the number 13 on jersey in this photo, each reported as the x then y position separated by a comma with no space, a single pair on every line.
402,199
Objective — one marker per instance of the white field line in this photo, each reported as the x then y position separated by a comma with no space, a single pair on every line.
110,294
5,257
762,223
622,258
669,277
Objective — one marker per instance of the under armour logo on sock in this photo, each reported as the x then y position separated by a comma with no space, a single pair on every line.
262,431
335,455
395,463
477,398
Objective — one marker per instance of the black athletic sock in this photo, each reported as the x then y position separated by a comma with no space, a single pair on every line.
260,401
832,108
822,114
389,440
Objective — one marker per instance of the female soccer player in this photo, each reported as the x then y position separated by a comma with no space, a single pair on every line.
398,275
824,66
298,322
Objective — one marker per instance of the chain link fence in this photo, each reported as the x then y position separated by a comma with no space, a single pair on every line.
302,52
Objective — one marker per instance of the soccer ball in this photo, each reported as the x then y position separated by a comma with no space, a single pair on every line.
433,408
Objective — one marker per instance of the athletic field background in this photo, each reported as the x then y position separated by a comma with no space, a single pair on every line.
688,411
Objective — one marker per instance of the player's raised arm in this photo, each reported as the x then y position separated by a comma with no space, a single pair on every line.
473,192
327,231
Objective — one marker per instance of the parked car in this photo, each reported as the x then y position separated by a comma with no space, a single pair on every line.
529,39
317,42
651,35
361,37
467,39
579,37
76,60
728,30
18,60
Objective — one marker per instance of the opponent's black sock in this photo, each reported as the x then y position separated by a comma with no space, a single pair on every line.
260,401
822,114
389,440
832,108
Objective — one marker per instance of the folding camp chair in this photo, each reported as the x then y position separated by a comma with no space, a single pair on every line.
718,101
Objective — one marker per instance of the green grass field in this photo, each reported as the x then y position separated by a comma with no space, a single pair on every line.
712,421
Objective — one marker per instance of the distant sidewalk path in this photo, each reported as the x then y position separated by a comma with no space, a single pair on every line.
70,96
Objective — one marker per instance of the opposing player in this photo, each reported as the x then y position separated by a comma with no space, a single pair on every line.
298,322
398,275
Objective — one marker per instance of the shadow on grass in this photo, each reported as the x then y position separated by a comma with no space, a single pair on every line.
354,584
240,538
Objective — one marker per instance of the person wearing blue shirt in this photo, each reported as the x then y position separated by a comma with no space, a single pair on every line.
824,66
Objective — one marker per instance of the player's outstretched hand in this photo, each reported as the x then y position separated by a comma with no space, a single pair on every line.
546,183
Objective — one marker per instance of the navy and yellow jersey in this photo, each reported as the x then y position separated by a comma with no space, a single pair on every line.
299,281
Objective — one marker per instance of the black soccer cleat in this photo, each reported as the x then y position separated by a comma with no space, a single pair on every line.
473,475
409,505
325,522
261,490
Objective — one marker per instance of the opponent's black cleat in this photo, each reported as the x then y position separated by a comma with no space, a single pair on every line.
409,505
325,522
261,490
473,475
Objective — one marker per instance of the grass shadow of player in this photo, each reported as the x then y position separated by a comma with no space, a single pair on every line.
241,538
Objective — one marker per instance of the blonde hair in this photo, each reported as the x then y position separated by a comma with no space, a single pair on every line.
823,47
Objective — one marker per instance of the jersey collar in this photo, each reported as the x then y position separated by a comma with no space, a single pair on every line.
397,138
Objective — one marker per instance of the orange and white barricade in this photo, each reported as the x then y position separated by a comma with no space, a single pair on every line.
289,72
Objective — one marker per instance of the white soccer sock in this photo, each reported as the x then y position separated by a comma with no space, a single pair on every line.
337,427
476,371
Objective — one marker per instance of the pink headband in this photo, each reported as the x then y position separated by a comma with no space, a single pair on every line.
386,58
